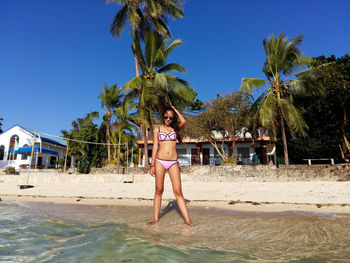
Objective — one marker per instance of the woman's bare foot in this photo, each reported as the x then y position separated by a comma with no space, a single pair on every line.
152,222
189,223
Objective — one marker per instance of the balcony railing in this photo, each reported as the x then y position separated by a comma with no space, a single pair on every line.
148,134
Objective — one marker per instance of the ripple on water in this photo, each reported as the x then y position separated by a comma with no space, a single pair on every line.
44,232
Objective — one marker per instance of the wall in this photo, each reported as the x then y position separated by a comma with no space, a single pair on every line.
221,173
229,173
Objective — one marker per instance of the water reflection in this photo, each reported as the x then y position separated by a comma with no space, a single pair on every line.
81,232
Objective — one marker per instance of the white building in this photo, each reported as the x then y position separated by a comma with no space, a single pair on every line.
46,150
202,152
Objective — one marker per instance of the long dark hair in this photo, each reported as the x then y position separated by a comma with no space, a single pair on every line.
174,124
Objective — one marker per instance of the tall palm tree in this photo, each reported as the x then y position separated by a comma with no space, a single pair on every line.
274,108
145,13
155,89
111,98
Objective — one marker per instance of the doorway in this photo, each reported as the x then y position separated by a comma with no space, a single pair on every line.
194,156
206,156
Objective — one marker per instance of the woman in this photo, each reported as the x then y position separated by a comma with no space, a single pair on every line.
164,158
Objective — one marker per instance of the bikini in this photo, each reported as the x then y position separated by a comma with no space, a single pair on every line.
162,136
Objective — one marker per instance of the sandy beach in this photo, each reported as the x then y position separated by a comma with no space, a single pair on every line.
315,196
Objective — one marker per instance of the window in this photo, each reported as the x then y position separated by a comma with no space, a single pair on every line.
13,139
24,157
181,156
243,152
2,152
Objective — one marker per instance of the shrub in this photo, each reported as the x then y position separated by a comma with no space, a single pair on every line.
230,159
83,165
10,170
60,164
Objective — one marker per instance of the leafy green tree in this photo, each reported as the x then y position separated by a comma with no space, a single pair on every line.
222,120
111,98
84,129
197,104
275,107
325,109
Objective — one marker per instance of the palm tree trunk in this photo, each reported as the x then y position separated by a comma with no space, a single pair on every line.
136,61
118,157
145,143
115,153
108,144
283,132
343,133
137,66
341,151
342,128
65,159
284,139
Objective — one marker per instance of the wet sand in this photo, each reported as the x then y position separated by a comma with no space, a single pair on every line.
315,196
247,206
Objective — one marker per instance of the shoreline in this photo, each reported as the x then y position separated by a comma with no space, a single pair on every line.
243,206
235,195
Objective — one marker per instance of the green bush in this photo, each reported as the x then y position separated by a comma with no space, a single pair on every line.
10,170
60,164
83,165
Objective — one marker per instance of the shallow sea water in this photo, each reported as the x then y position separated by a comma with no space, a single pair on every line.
47,232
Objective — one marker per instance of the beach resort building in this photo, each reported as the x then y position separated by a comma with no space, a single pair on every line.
194,151
16,147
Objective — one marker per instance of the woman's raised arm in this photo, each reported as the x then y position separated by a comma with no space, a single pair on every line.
181,118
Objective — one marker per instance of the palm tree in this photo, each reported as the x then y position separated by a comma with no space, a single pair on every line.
153,58
125,123
154,89
110,98
142,14
274,108
113,138
67,135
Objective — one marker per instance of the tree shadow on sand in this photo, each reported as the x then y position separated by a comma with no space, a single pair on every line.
172,205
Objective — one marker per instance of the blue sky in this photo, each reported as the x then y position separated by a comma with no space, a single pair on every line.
55,56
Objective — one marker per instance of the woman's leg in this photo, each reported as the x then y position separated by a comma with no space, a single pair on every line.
174,173
159,187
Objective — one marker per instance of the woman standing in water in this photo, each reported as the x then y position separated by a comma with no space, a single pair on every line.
164,158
